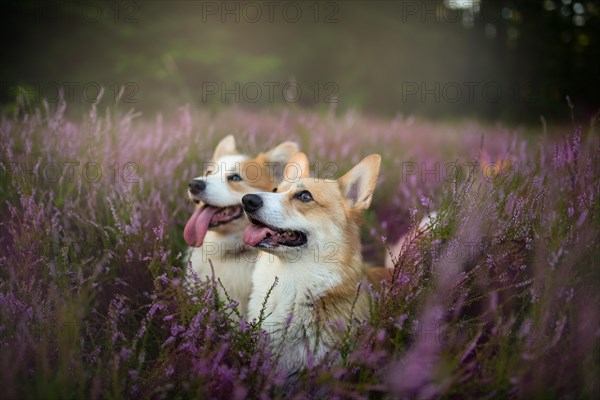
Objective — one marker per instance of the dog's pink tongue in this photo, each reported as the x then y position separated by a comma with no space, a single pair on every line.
196,227
254,234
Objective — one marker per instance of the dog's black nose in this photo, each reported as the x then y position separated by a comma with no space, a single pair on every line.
252,202
196,186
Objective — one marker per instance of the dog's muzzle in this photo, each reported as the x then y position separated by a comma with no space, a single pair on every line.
252,202
196,186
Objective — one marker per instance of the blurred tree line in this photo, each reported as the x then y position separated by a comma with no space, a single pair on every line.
490,59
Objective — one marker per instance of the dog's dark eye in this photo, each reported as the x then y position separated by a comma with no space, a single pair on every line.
234,178
304,196
274,190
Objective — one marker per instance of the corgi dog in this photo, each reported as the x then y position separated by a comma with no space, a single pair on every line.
214,231
309,230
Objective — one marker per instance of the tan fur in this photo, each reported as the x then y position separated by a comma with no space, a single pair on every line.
326,287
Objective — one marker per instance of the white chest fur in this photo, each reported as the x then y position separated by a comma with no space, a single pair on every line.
231,263
289,315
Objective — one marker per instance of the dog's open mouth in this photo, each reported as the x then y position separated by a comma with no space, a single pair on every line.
208,217
225,215
260,235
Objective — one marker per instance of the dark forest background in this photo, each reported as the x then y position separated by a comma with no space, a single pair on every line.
491,60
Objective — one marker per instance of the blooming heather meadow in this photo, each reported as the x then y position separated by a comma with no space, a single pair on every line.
497,297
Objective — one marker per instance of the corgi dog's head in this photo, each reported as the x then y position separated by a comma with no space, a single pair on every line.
306,212
231,175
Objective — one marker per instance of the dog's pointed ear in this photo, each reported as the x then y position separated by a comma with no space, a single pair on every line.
282,152
297,167
359,183
278,156
226,147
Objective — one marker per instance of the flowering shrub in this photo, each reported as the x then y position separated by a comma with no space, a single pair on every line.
497,296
